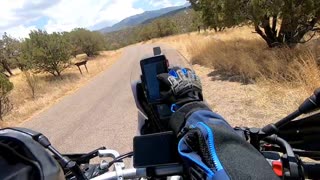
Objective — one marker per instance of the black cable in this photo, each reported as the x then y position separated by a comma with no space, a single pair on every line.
293,166
282,143
120,158
300,152
304,153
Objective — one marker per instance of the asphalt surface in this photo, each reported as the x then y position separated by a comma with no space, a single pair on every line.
102,113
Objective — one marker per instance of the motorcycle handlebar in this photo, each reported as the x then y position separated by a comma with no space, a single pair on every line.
311,171
141,172
125,174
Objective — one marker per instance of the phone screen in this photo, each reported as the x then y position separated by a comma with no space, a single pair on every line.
151,67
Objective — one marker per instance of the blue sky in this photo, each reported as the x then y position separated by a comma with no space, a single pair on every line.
18,17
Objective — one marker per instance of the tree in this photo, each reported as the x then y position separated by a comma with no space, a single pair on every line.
5,87
157,28
86,41
47,52
278,22
212,13
21,60
32,82
164,27
74,43
9,49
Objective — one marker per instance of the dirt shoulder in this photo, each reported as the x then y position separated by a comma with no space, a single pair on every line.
240,104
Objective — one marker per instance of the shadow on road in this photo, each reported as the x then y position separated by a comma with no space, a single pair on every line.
220,75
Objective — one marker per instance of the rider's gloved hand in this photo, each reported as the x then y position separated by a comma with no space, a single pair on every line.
180,86
208,145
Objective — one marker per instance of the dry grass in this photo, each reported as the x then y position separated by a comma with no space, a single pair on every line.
244,80
285,76
49,89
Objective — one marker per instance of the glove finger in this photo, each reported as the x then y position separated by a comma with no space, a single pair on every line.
181,75
163,78
195,79
173,73
173,82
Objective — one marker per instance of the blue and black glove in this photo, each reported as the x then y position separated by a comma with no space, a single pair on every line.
180,86
208,145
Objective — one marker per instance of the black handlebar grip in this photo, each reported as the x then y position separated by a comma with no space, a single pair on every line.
311,103
316,96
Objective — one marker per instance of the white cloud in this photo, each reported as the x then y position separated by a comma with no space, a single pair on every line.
166,3
18,17
69,14
118,10
19,31
7,15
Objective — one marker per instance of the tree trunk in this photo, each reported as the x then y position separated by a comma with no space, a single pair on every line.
21,67
59,74
5,74
6,67
53,73
89,54
290,33
215,29
269,41
1,110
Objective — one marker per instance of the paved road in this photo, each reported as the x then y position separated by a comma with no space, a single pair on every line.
101,113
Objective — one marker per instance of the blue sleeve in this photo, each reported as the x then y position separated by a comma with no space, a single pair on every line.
201,120
211,147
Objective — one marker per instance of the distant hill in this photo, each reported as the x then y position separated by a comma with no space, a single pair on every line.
169,14
140,18
181,20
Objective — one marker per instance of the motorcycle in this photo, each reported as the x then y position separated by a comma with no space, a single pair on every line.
285,144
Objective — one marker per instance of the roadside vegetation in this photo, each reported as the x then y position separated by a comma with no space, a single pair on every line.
39,70
247,82
278,23
259,60
35,92
281,53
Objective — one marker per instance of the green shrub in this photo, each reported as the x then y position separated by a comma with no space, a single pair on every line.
5,87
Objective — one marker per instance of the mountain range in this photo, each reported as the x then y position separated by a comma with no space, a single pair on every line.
143,18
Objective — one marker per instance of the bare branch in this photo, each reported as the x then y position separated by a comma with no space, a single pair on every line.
305,41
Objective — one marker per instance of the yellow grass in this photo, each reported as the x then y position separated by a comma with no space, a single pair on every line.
279,79
49,89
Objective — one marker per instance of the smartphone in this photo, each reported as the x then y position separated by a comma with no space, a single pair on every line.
150,68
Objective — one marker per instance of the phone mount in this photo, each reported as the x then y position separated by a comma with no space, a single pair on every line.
157,51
